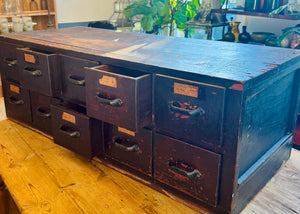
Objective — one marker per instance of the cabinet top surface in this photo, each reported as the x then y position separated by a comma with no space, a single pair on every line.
234,61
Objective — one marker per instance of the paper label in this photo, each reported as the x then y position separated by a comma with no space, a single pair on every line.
131,133
187,90
29,58
108,81
14,88
69,117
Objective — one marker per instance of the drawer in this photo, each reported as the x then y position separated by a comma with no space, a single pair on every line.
129,148
8,61
72,129
187,168
191,111
38,71
119,96
17,102
73,77
41,113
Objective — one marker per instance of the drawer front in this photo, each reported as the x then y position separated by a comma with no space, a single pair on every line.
41,113
8,62
76,131
189,110
73,77
129,148
187,168
17,102
118,96
35,68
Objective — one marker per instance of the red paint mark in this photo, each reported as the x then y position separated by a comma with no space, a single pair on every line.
183,106
265,70
237,87
179,176
214,93
251,76
273,65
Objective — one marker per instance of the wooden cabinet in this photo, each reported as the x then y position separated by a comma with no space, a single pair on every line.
38,16
74,130
206,126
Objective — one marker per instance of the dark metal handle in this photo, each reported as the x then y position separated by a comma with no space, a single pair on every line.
71,134
15,101
76,80
116,102
43,113
33,72
10,62
196,112
193,174
133,148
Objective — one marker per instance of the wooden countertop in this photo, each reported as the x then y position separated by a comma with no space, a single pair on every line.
162,54
43,177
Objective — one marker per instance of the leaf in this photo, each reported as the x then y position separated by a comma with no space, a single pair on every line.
196,3
137,8
147,22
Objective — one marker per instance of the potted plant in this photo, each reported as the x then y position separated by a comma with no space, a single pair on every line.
158,14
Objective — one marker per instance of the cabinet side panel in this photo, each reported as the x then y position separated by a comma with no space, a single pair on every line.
265,119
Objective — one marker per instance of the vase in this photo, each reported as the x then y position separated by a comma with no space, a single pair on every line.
44,5
33,5
235,30
229,36
244,37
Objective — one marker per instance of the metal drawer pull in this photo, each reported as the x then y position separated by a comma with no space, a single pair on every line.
69,131
193,174
133,148
76,80
195,112
116,102
10,62
15,101
44,112
33,72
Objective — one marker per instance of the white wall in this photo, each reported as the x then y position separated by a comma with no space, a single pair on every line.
83,10
262,24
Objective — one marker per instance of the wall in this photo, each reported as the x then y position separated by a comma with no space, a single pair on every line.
260,24
76,11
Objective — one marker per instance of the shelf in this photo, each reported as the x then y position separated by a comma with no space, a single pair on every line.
266,15
28,13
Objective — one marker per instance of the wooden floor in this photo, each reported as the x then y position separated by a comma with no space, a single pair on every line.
45,178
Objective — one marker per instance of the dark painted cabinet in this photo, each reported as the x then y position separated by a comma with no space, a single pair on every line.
204,120
73,77
35,67
17,102
8,61
119,96
189,110
187,168
41,112
74,130
129,148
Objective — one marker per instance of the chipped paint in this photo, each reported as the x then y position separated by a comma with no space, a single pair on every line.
272,65
237,87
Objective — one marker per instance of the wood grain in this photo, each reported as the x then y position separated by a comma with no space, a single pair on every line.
43,177
2,109
236,61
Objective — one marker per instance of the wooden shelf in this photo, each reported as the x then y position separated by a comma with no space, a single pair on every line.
28,13
266,15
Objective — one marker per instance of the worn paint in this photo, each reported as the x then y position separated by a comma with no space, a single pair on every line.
237,87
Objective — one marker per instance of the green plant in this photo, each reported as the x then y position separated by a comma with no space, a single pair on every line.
163,13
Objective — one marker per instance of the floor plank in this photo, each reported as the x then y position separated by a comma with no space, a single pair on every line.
2,109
